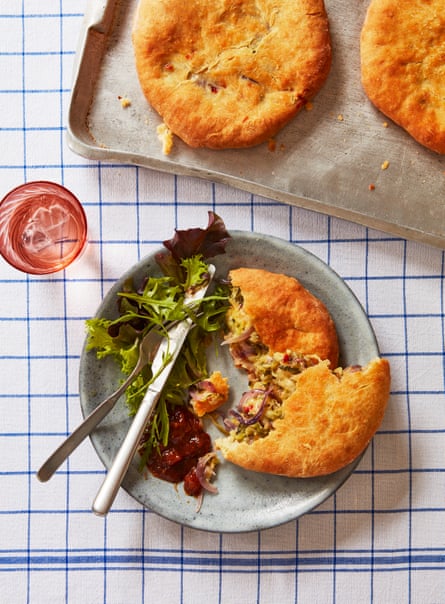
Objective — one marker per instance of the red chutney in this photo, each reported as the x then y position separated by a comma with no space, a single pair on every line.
187,442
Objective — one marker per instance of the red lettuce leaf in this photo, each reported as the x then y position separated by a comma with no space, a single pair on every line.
208,242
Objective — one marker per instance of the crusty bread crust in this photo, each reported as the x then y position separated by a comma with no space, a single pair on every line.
403,65
285,315
230,73
327,422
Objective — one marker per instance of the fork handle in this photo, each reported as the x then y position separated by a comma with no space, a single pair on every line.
56,459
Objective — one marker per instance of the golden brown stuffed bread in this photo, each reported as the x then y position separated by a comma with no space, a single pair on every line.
230,73
403,65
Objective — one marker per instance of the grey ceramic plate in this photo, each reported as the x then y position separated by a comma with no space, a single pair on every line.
246,500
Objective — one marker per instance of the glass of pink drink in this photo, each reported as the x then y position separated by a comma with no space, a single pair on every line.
43,227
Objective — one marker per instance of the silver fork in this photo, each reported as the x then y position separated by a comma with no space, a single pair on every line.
147,349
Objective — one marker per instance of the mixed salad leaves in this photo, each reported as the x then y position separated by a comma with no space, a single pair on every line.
153,305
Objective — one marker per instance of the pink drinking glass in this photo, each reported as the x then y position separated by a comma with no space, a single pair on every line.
43,227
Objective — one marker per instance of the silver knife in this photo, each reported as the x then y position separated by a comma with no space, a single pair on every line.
162,365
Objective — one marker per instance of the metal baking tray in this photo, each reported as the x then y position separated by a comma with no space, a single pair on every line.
325,159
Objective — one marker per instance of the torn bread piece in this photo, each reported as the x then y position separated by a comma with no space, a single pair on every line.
272,312
322,426
210,394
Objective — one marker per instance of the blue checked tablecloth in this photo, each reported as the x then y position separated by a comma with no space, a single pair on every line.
380,539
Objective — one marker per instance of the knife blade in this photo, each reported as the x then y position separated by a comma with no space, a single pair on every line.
162,365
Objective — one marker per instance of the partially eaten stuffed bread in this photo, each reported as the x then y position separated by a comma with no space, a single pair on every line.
302,416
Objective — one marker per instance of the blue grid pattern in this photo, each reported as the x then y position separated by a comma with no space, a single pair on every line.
379,539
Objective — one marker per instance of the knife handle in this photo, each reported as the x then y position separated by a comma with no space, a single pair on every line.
110,486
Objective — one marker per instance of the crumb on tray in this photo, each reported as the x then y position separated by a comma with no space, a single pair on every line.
125,102
166,137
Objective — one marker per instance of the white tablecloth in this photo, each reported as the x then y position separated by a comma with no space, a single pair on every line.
379,539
